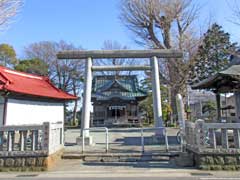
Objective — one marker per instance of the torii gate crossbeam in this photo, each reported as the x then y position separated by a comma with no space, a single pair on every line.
153,55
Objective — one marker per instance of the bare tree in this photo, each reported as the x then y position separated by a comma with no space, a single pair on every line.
66,74
165,24
114,45
235,7
8,10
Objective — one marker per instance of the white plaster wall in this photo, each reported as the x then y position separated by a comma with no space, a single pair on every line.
1,110
21,112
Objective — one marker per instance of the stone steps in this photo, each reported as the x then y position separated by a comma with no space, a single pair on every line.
120,157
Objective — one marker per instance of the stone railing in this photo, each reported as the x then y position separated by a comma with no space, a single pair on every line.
201,135
30,147
190,135
213,146
46,138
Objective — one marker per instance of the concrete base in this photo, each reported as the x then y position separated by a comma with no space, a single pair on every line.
154,140
28,161
184,160
215,159
87,140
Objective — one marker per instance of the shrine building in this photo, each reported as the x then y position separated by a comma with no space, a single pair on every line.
116,100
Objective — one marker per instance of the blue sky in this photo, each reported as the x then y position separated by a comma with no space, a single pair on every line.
88,23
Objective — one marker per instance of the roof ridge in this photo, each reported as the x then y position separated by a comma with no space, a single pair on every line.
121,84
20,73
132,75
5,77
32,85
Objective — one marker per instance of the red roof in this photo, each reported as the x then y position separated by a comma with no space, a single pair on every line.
29,84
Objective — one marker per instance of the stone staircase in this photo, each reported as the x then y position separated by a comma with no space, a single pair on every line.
121,157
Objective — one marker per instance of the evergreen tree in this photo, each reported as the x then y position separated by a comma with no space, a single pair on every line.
7,56
147,104
213,54
33,66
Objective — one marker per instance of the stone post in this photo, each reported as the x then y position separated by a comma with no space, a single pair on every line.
200,133
236,136
181,118
156,93
87,96
237,106
224,138
46,137
10,140
212,136
181,111
34,145
23,140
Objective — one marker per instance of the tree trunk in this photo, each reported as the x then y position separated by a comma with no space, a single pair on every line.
75,104
173,104
169,101
75,113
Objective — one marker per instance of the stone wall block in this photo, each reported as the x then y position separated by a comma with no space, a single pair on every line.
9,162
200,160
229,168
40,161
19,162
238,167
216,167
238,160
24,161
209,160
219,160
184,160
230,160
1,162
204,167
30,161
45,162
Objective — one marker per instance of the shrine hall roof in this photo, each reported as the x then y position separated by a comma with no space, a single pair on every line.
122,86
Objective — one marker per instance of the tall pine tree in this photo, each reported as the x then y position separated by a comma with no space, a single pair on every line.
213,54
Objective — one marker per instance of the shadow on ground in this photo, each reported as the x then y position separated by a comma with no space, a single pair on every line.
134,164
150,140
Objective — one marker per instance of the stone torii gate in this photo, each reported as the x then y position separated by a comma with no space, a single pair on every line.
107,54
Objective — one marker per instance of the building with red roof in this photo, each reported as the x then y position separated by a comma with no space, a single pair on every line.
30,99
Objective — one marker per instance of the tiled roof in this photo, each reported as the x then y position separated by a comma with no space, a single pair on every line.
29,84
123,87
228,78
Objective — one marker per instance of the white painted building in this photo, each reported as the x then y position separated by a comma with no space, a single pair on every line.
29,99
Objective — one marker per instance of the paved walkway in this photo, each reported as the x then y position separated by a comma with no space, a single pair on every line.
76,170
122,141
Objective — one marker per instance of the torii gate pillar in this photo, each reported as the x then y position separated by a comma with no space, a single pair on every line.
156,93
86,107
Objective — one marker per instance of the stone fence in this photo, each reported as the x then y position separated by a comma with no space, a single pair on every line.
213,145
34,147
202,136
